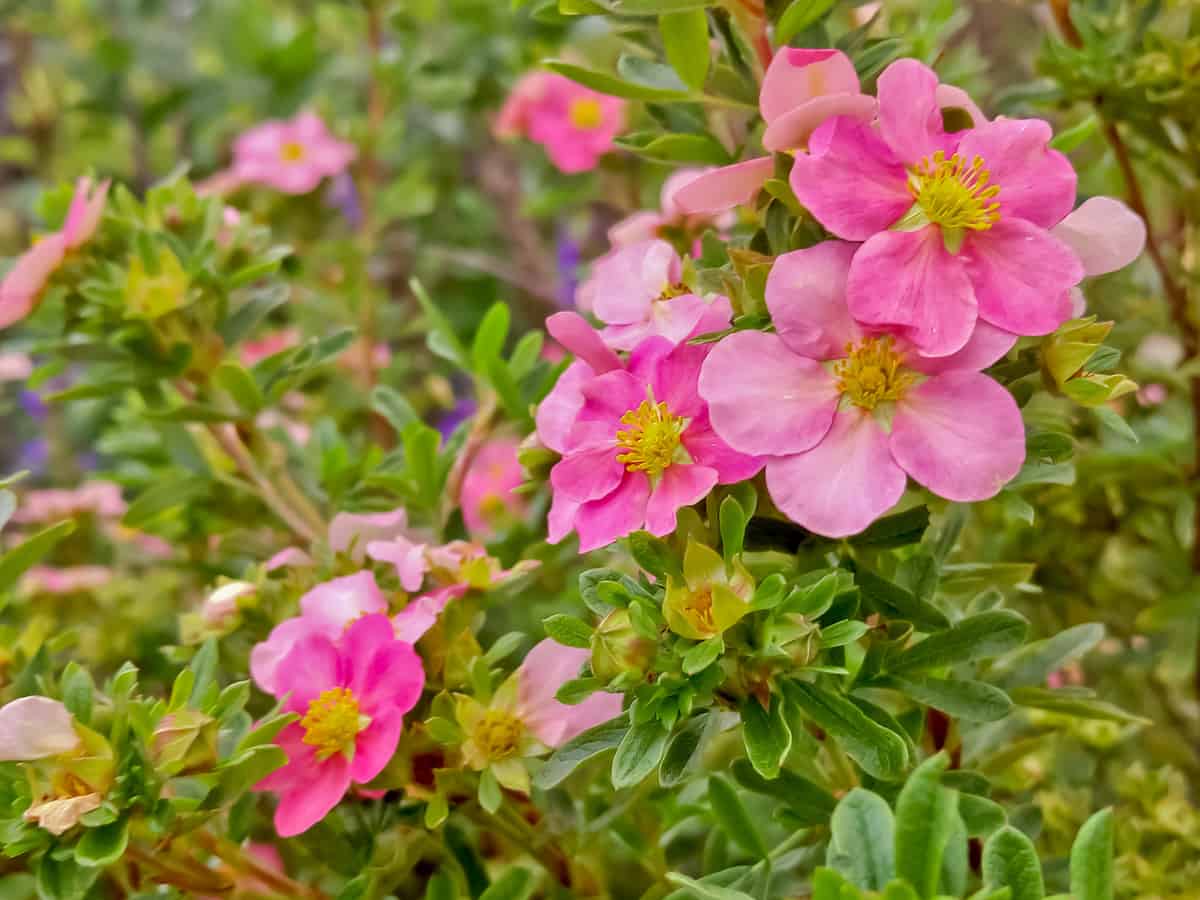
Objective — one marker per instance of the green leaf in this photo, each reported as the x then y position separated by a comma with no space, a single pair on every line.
240,386
568,630
1071,138
78,689
732,816
104,845
441,887
683,750
611,84
880,751
1031,664
447,339
515,884
981,815
393,406
862,842
686,147
976,637
808,803
1092,859
649,7
15,562
897,530
654,555
964,698
1079,702
799,16
956,860
567,758
925,813
685,39
489,338
766,735
1010,860
639,753
733,527
63,879
703,655
842,633
165,494
490,795
899,602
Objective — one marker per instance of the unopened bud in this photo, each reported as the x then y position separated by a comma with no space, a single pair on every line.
221,606
184,741
617,648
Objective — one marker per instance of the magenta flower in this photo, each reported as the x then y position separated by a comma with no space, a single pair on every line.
638,291
25,281
635,440
801,89
575,124
488,497
351,695
291,156
956,224
844,416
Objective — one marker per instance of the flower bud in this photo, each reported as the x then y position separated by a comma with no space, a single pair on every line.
221,606
1065,351
184,741
617,648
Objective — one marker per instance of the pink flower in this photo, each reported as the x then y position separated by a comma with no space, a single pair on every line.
575,124
460,564
65,580
671,220
34,728
220,608
291,156
801,89
255,351
1152,394
25,281
635,440
957,225
488,497
638,291
546,668
15,366
99,498
844,416
352,694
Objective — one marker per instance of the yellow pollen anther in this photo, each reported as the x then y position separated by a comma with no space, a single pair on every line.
678,289
499,734
698,610
873,373
291,152
332,722
585,113
955,194
651,438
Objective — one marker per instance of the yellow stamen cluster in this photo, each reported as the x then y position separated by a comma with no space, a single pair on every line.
678,289
873,373
698,610
292,151
651,438
499,734
955,194
585,113
332,722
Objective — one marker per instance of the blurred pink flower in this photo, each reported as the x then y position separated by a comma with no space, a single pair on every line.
670,220
65,580
575,124
100,498
34,728
487,499
291,156
255,351
352,694
25,281
1152,394
15,366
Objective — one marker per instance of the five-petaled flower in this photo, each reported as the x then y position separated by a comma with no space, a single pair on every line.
291,156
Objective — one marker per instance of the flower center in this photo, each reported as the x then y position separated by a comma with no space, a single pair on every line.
872,373
650,439
332,722
955,194
585,113
699,611
671,291
499,734
292,151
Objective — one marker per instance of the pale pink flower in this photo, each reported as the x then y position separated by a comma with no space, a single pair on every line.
65,580
352,694
99,498
488,497
220,607
843,416
460,564
637,291
635,439
291,156
35,728
801,89
25,281
957,225
1152,394
575,124
546,668
670,220
15,366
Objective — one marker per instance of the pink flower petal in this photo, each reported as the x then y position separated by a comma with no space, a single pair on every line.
626,282
375,746
386,673
797,75
409,559
951,97
267,655
1105,234
335,604
27,278
806,295
674,374
844,483
1036,183
560,521
558,411
679,486
310,800
589,475
35,727
706,448
422,612
986,345
1022,276
544,670
353,531
960,434
601,522
792,130
573,332
850,180
905,280
310,667
724,188
910,117
794,398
